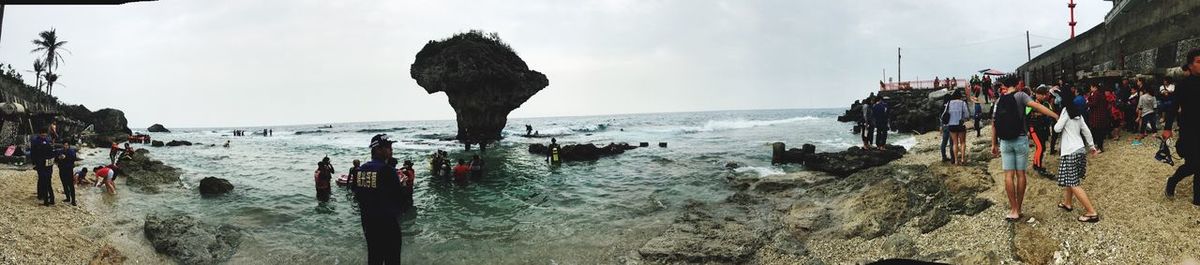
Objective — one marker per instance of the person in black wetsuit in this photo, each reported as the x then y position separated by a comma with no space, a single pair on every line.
66,159
41,155
378,193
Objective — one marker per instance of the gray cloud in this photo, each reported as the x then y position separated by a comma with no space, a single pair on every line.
241,63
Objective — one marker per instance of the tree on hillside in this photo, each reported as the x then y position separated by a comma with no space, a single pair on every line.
49,46
38,68
50,79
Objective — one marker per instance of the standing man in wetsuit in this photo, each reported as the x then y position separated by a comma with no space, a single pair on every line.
41,155
378,193
66,170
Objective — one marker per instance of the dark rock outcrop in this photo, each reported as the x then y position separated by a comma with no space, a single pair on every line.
141,170
190,241
174,143
311,132
483,78
157,143
215,186
897,194
910,111
582,152
109,125
841,163
157,128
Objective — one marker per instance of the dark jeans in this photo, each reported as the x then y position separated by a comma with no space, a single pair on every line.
881,136
945,141
68,182
1099,134
1185,170
384,241
45,191
1169,119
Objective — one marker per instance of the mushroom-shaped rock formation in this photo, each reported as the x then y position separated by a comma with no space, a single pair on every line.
483,78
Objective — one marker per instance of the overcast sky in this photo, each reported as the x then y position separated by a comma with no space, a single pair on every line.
211,63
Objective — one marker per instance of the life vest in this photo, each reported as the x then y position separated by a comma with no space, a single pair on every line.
554,155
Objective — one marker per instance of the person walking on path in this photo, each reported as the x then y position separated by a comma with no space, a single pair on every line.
1010,143
1187,146
378,194
1072,163
956,111
947,138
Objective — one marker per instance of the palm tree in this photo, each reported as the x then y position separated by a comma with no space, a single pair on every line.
49,46
50,78
38,68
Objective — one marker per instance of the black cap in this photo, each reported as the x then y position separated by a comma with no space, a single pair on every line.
381,140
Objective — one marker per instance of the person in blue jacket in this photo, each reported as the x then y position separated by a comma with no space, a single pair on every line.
377,190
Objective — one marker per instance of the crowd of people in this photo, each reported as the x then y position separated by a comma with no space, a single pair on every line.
1074,119
48,152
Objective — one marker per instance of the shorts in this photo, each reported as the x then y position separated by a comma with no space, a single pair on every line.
1014,154
1149,123
958,128
1072,168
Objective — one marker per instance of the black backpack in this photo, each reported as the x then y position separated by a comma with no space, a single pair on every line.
1008,118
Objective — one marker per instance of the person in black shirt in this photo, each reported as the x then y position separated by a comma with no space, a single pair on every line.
41,155
378,193
66,168
1186,93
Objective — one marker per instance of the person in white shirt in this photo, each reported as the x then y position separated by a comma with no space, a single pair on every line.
1076,143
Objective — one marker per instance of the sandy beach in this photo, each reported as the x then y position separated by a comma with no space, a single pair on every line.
1139,225
58,234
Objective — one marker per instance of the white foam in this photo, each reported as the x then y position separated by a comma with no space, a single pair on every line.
908,142
760,171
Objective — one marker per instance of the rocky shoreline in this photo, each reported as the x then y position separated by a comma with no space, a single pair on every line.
920,208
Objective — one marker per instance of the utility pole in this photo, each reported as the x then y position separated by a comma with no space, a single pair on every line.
1028,50
898,76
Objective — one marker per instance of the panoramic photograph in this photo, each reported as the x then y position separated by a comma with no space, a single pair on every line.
599,132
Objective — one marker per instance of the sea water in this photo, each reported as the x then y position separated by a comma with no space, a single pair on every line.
523,211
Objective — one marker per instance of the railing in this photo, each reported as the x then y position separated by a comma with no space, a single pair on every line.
920,84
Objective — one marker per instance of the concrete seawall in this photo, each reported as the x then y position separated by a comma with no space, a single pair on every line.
1143,37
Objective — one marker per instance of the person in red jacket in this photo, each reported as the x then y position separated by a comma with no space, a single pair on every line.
461,171
407,176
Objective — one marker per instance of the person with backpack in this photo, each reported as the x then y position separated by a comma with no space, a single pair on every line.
953,117
1186,146
1009,140
946,137
1072,165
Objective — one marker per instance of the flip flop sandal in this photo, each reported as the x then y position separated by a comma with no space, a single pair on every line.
1090,219
1013,220
1065,208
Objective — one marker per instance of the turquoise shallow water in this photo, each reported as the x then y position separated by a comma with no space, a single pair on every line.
522,212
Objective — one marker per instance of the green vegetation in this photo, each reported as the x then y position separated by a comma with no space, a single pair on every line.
49,46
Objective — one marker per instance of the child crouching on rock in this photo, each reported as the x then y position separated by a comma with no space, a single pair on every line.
1076,143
